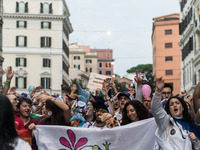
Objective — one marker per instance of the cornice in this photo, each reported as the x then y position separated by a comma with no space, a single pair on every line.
34,16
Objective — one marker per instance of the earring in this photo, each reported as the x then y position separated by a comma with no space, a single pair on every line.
50,113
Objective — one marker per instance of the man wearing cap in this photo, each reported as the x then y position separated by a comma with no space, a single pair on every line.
123,98
99,109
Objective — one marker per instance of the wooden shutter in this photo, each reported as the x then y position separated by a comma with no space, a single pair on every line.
50,8
42,41
24,82
42,83
16,40
25,24
17,24
49,62
17,7
26,7
24,62
42,25
16,82
49,41
49,25
17,62
41,8
25,41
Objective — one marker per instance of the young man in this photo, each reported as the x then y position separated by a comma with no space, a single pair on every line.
99,109
123,98
166,93
24,107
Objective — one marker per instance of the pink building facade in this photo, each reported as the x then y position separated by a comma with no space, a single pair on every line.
105,61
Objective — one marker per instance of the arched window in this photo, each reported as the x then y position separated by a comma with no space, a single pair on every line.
46,8
21,7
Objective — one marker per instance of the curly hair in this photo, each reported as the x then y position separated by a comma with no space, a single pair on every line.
140,109
185,111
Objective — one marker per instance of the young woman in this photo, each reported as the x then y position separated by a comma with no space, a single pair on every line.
9,139
176,129
133,111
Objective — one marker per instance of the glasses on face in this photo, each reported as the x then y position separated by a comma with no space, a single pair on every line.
147,101
166,93
101,111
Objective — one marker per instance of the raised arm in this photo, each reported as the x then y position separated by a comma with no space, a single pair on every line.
196,101
138,79
156,107
9,76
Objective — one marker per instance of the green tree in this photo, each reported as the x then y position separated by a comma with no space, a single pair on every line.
147,69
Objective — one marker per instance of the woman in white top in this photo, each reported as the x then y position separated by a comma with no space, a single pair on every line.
176,129
9,139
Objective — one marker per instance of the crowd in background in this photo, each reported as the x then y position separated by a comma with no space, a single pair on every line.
177,115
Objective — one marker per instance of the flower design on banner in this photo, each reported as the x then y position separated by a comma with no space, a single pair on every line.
71,144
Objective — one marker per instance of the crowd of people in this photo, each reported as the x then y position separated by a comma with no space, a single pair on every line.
177,115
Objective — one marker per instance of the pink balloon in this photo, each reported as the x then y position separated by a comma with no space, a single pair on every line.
146,90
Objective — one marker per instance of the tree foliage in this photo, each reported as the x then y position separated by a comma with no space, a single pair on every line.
147,69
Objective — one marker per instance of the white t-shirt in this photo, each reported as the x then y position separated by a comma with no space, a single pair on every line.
22,145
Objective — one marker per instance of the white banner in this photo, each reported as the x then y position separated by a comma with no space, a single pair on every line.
96,81
135,136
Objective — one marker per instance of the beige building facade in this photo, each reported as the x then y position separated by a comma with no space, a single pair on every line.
35,43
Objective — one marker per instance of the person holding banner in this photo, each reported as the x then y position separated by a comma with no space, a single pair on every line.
176,129
133,111
9,139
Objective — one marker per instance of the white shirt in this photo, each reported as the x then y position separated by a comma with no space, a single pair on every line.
22,145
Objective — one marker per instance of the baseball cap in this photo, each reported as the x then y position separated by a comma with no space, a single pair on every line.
124,94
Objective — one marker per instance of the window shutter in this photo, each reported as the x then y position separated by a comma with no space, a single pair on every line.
41,8
25,24
24,62
26,7
41,25
42,83
42,41
50,8
49,81
16,40
17,62
49,25
49,41
16,82
17,24
24,82
43,64
25,41
49,62
17,7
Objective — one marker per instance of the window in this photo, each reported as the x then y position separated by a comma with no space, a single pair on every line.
46,62
100,71
108,72
45,83
169,58
46,25
88,69
100,55
77,66
45,41
88,61
21,41
22,7
21,62
108,55
20,82
21,24
108,64
100,65
76,57
168,45
168,72
46,8
168,32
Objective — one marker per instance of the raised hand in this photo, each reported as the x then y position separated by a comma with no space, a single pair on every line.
138,79
9,74
159,82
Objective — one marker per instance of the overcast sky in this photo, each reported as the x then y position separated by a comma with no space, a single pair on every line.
124,26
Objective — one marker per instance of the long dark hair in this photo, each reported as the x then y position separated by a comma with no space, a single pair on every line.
57,117
140,109
8,133
185,111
